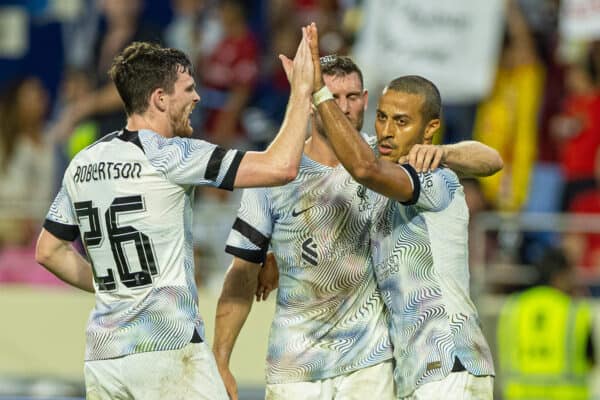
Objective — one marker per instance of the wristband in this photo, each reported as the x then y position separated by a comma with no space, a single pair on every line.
322,95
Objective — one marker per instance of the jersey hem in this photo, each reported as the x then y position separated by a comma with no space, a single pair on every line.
329,375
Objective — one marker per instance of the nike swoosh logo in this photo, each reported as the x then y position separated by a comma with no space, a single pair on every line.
295,214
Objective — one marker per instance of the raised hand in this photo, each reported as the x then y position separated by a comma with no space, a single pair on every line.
313,40
302,73
424,157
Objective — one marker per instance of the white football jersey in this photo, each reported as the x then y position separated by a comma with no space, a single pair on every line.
330,318
130,197
420,252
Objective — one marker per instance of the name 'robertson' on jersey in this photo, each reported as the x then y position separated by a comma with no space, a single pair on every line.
107,170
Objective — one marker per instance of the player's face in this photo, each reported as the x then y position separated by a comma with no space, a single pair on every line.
350,97
399,124
182,102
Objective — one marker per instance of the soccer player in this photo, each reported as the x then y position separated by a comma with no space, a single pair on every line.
129,196
327,340
419,241
329,336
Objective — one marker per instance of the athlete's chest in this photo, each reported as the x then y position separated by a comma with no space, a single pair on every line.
325,203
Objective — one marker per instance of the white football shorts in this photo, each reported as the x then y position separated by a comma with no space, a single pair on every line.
376,382
187,373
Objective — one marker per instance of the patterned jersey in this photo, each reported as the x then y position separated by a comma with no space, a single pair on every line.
330,318
130,196
420,260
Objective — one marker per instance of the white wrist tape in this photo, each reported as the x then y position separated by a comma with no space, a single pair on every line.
322,95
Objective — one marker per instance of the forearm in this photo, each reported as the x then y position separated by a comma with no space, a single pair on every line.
350,148
69,266
278,164
359,159
472,158
285,151
233,308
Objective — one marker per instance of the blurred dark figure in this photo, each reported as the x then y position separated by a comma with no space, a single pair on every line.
26,178
228,77
544,336
195,28
266,110
335,32
120,25
26,160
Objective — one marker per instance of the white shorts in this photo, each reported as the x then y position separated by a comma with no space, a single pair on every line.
456,386
187,373
376,382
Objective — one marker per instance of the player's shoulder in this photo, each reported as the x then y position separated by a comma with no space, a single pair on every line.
442,173
153,142
257,193
122,136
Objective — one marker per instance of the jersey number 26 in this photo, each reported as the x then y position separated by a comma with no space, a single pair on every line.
118,236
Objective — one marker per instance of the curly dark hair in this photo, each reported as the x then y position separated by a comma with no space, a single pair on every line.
143,67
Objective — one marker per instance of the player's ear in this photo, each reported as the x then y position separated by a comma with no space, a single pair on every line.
158,99
432,127
366,98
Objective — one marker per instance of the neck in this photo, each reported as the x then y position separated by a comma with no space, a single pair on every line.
135,122
319,149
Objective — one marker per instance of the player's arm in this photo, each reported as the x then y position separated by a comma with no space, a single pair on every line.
382,176
353,152
233,308
59,257
468,158
279,163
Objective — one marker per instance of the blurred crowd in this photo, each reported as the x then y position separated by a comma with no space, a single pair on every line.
542,112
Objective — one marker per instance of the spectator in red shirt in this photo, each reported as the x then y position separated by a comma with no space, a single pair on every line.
584,247
577,129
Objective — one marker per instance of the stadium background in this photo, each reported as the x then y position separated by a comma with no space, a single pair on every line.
512,76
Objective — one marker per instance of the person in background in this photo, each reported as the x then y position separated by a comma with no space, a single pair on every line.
26,160
583,247
228,75
507,119
27,170
545,346
195,27
120,25
577,130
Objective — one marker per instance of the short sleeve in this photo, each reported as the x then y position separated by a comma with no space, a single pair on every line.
61,220
251,232
186,161
437,189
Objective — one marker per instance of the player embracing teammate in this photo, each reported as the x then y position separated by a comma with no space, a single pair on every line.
417,253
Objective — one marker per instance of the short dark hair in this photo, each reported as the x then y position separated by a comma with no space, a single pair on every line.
340,66
143,67
415,84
